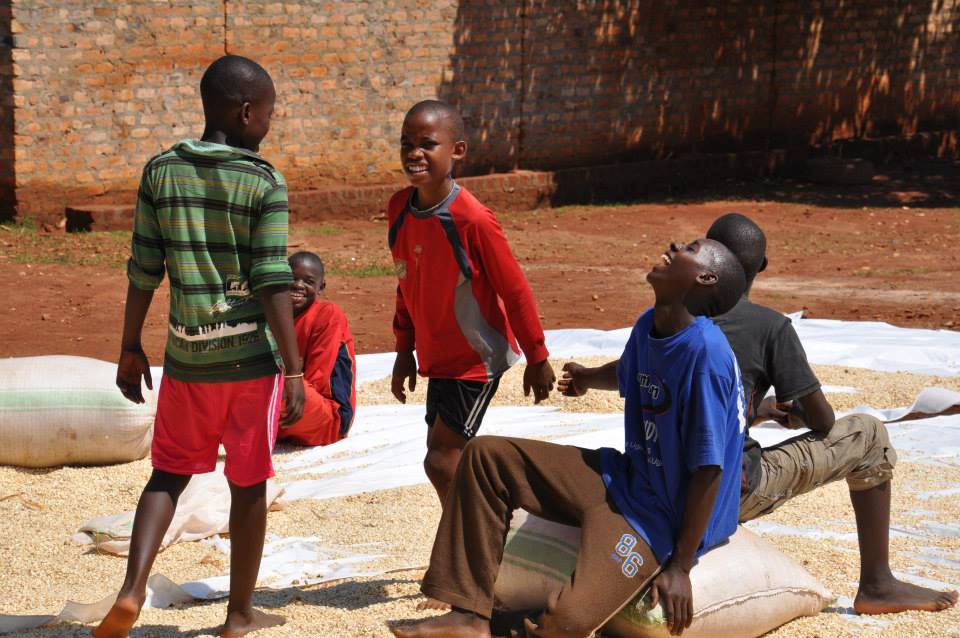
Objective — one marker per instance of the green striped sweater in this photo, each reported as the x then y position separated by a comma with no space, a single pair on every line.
214,218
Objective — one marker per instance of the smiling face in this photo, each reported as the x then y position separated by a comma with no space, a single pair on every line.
429,148
682,266
308,282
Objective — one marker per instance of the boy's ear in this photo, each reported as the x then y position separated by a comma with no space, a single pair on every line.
322,286
459,150
245,113
707,279
763,264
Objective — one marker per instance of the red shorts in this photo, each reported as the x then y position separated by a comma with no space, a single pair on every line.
193,419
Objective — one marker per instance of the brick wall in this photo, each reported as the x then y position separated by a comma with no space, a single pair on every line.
97,87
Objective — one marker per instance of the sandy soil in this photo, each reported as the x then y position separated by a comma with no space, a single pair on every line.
834,252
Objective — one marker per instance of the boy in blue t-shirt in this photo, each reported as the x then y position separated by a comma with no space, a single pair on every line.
672,495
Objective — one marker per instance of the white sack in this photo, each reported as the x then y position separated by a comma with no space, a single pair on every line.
740,590
64,410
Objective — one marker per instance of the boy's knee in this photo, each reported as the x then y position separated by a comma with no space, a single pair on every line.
879,457
440,463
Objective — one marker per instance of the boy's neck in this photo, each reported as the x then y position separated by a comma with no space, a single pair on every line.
429,196
670,318
217,136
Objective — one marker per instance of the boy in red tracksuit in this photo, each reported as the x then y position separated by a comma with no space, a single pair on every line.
326,350
462,301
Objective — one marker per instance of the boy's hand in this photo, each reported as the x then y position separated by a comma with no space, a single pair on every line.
571,381
540,378
787,414
293,399
672,589
132,366
404,369
769,410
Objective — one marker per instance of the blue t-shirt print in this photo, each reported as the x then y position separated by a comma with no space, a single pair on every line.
684,410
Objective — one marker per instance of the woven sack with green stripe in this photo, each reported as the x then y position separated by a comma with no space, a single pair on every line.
742,589
65,410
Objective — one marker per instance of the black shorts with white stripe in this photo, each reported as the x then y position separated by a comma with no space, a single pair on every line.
461,404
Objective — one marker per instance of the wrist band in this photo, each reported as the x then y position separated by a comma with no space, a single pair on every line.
293,376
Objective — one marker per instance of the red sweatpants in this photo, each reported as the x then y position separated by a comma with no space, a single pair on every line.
320,424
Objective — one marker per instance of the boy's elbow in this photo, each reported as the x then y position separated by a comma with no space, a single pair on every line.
824,422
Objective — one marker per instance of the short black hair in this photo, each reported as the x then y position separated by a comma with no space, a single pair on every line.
722,296
744,238
307,257
232,80
444,110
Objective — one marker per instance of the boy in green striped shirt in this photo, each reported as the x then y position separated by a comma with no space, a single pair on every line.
212,215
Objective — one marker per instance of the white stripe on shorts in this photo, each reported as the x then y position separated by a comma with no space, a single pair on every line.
272,411
468,425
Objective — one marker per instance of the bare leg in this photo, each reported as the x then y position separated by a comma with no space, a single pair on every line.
155,510
880,592
248,526
444,448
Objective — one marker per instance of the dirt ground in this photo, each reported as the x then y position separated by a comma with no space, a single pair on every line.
887,251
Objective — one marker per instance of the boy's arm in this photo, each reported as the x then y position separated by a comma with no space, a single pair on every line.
270,280
672,588
145,270
577,379
320,353
512,287
809,411
279,313
800,398
133,364
405,365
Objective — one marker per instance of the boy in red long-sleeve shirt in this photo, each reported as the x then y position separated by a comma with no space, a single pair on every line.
326,351
462,301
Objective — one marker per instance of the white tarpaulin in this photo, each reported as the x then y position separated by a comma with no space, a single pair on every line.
202,511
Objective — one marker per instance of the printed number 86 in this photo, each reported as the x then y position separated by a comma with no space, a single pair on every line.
632,561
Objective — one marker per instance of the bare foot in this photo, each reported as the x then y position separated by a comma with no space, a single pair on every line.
893,596
241,623
433,604
455,624
119,620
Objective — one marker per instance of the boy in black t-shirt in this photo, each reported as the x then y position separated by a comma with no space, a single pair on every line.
856,447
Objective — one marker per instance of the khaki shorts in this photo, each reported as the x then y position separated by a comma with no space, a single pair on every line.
857,449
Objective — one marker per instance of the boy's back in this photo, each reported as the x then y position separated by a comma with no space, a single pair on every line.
216,216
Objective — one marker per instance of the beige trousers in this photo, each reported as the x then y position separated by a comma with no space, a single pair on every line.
857,449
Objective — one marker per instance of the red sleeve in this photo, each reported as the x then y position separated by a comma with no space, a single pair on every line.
323,344
403,325
510,285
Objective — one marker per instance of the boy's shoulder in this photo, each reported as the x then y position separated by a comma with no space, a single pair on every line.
748,315
467,208
399,200
198,153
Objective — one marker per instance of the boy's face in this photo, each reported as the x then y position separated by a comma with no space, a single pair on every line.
308,282
428,148
255,117
682,267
